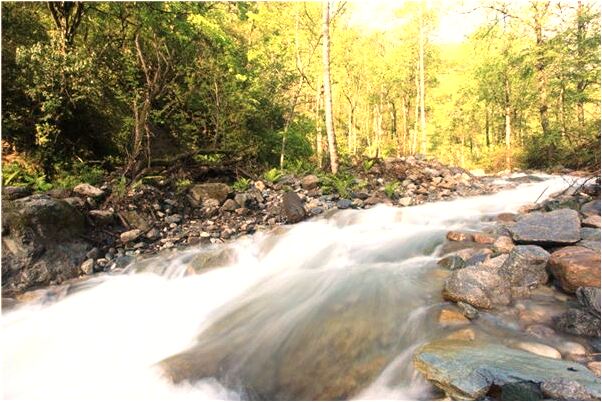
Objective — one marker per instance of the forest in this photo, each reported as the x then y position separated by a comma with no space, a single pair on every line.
88,87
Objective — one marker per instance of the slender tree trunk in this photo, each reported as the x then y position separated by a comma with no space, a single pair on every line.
404,125
508,125
581,84
319,141
540,67
487,128
332,143
416,113
423,147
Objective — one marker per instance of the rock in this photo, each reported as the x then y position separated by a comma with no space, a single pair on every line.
243,199
259,185
136,220
153,234
540,331
205,191
343,203
451,262
310,182
130,235
10,193
459,236
591,208
590,244
539,349
558,227
478,286
589,298
465,334
230,205
87,190
469,312
175,218
572,350
478,258
451,318
94,253
316,211
578,322
590,234
466,370
373,200
102,217
525,266
75,202
594,367
211,203
592,221
506,217
87,266
561,389
405,201
293,207
41,242
503,244
483,238
575,266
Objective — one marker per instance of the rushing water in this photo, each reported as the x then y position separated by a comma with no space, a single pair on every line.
327,309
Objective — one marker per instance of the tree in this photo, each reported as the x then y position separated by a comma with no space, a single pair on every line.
332,143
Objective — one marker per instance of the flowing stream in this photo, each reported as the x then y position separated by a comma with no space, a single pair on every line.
332,308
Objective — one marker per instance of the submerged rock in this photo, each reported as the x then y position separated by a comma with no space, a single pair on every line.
559,227
589,298
578,322
469,369
575,266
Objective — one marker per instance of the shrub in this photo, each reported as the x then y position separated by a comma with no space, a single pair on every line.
241,184
272,175
391,188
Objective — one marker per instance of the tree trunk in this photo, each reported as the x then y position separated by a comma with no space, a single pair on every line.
423,147
404,125
416,113
581,84
332,143
508,125
487,128
319,140
542,79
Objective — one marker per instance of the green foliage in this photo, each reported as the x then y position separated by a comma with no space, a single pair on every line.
78,173
242,184
182,185
391,189
272,175
14,174
341,184
120,187
367,164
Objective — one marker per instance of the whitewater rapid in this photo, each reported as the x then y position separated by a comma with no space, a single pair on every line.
278,294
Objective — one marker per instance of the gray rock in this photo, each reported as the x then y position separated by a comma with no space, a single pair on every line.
592,234
94,253
561,389
15,192
591,208
343,203
88,190
175,218
478,286
526,266
405,201
558,227
153,234
451,262
316,211
467,370
592,221
41,242
589,298
578,322
243,199
468,311
136,220
130,235
87,266
310,182
477,258
205,191
102,217
292,207
230,205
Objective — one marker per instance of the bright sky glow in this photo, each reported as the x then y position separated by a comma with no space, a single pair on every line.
458,18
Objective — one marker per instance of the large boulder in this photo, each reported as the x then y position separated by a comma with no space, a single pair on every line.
292,207
575,266
589,298
480,286
578,322
10,193
526,266
469,370
559,227
41,242
205,191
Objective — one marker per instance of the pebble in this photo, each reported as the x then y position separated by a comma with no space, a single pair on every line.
451,317
87,266
539,349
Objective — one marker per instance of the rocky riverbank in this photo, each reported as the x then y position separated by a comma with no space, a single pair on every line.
49,238
519,271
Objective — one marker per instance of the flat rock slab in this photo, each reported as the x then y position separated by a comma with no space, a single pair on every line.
574,267
560,227
591,208
466,370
